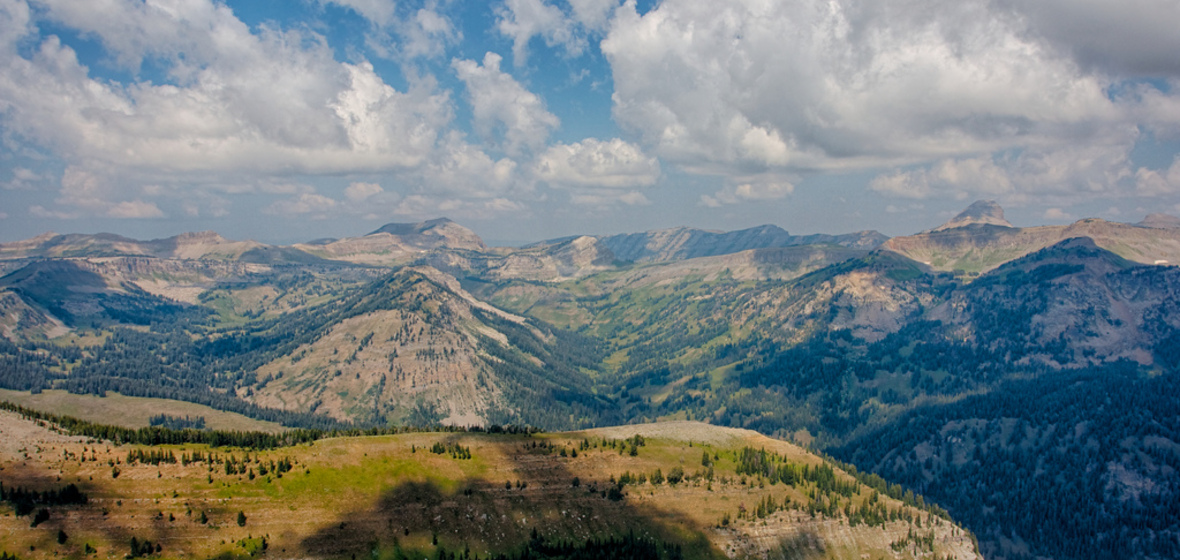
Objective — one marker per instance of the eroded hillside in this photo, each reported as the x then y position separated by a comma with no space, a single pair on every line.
409,349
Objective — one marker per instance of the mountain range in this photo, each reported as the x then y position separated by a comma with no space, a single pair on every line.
912,357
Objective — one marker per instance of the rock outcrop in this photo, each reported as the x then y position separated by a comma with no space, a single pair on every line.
980,212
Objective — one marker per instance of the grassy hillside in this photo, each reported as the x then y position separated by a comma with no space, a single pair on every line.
418,494
132,412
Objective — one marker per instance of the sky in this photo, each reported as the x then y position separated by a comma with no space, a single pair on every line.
290,120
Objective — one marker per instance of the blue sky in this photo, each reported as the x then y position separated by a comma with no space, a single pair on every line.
290,120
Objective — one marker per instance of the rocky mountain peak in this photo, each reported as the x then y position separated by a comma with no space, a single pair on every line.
413,228
980,212
1160,221
433,234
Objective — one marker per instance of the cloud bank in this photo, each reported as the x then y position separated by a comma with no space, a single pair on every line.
186,110
803,87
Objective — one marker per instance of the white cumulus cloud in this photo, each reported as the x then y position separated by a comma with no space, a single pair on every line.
418,206
502,107
1096,169
1058,215
134,209
980,175
236,106
360,191
380,12
407,34
598,173
460,168
762,188
427,33
593,14
524,19
1159,181
788,87
569,26
303,204
611,164
22,179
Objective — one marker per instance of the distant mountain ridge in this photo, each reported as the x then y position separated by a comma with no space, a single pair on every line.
395,243
975,241
572,257
980,239
683,243
402,243
204,245
1162,221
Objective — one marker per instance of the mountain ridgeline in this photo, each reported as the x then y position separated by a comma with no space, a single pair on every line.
1024,378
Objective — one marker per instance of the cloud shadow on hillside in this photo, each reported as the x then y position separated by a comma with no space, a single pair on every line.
487,515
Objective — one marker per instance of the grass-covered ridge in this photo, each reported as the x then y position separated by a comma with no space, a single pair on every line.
683,489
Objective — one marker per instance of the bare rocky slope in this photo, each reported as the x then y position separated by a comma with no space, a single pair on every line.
422,349
980,212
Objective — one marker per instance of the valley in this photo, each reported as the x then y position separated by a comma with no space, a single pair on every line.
1005,373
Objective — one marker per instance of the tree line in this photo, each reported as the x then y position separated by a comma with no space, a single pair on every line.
158,435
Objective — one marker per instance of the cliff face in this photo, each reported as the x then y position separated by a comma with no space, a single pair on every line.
980,212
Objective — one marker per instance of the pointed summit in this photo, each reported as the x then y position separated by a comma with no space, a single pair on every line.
1160,221
980,212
